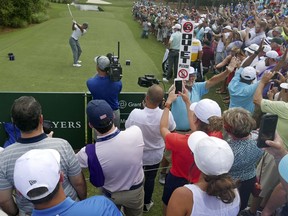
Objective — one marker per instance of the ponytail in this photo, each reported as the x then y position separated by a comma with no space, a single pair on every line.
222,186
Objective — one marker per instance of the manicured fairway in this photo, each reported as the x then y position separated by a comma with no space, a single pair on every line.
43,59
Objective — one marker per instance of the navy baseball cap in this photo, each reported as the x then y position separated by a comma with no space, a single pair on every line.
99,113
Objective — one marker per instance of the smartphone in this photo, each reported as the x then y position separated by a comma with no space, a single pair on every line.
267,129
47,126
178,85
271,85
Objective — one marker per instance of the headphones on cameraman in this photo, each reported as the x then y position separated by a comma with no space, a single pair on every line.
106,69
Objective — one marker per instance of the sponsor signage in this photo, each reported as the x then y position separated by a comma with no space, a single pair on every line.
67,111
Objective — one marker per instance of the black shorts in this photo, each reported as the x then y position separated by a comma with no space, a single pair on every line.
171,183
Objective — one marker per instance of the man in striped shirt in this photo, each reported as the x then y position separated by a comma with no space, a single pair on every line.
27,115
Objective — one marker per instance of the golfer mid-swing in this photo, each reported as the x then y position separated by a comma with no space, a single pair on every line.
78,30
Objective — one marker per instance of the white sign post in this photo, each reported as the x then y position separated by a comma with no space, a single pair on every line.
185,50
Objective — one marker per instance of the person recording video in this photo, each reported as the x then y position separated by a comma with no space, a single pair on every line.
103,88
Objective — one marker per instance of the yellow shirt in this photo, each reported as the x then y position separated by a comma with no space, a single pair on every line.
196,47
284,35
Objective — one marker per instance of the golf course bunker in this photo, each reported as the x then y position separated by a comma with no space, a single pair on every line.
87,7
98,2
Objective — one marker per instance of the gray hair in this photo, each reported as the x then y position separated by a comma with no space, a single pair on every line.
238,122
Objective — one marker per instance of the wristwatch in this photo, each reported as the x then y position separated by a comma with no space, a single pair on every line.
168,106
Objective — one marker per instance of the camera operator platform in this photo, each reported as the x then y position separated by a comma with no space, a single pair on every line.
103,86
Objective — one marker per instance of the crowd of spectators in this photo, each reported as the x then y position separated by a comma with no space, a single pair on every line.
247,42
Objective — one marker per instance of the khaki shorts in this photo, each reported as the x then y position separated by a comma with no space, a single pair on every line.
270,176
132,201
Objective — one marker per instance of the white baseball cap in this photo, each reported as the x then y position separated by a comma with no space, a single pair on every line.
37,168
213,156
177,26
252,48
192,70
266,48
228,27
248,73
284,85
205,108
272,54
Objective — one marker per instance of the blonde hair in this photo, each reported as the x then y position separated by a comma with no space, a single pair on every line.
215,124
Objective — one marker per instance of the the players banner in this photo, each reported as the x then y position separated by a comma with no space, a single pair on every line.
185,50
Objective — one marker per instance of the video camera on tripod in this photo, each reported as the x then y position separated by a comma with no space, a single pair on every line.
115,69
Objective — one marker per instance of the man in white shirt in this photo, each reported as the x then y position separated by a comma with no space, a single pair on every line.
148,119
115,160
174,47
78,30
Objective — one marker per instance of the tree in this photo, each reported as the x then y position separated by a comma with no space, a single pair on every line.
20,13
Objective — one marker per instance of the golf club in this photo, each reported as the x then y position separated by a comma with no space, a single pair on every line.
70,11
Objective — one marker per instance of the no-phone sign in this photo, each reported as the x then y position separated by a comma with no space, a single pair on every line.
185,50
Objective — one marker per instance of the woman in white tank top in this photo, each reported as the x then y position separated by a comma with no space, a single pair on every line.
215,194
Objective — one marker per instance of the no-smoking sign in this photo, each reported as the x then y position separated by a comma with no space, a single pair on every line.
185,50
183,74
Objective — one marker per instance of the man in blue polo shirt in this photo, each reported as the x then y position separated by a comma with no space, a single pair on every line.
196,90
38,177
103,88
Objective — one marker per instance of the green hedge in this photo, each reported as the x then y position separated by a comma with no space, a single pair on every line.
20,13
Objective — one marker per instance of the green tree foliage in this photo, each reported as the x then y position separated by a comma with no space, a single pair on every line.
20,13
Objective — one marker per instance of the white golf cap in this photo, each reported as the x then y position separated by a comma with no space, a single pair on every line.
37,168
192,70
252,48
228,28
213,156
284,85
248,73
266,48
272,54
205,108
177,26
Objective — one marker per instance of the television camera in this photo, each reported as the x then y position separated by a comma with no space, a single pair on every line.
147,81
115,69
